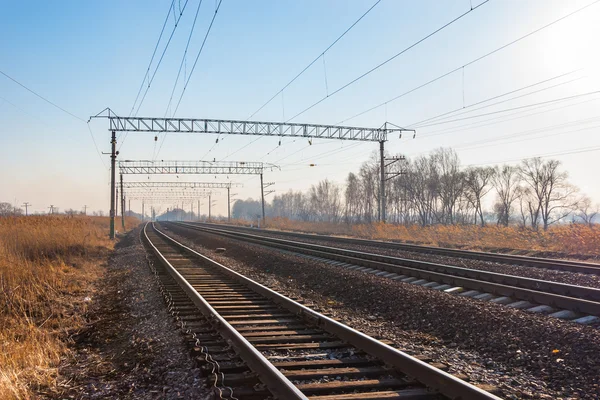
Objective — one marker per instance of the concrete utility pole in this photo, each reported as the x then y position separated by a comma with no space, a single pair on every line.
209,206
122,204
262,198
143,211
113,161
26,205
85,210
198,210
382,182
229,204
129,213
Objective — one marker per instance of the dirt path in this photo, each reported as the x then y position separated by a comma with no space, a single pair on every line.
131,349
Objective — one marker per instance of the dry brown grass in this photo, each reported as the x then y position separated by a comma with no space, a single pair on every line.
47,265
568,239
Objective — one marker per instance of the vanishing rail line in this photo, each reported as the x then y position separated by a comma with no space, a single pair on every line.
294,351
559,299
539,262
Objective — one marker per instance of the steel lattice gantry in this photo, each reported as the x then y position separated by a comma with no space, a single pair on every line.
148,167
181,185
237,127
233,127
176,196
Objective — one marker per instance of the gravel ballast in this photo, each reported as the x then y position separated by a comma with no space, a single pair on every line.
523,354
131,348
572,278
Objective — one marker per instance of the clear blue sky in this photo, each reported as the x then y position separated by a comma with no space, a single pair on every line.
85,56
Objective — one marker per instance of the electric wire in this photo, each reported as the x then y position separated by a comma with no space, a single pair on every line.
184,57
42,97
513,108
314,61
555,154
161,57
387,61
470,62
192,70
198,56
151,59
58,107
302,72
500,119
467,110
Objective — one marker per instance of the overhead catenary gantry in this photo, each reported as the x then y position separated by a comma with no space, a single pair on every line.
237,127
182,185
150,197
182,189
149,167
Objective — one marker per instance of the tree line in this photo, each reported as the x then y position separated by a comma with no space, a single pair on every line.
435,189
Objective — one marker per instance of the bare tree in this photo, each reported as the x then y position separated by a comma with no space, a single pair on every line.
553,197
353,198
586,212
506,181
478,184
325,201
451,183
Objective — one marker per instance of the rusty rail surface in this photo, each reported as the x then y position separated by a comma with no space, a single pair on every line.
283,341
579,299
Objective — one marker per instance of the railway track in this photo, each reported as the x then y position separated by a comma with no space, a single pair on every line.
260,344
538,262
577,303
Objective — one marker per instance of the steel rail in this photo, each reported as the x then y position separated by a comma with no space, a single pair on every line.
539,262
559,295
277,383
444,383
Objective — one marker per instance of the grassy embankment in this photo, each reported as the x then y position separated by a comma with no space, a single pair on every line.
560,240
47,268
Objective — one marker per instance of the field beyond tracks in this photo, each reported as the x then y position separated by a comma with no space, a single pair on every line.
48,265
562,241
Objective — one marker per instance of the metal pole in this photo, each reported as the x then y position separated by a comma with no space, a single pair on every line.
122,204
262,197
228,205
129,212
209,206
382,184
198,210
142,211
113,159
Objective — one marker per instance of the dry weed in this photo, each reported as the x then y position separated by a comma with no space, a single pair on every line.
568,239
47,264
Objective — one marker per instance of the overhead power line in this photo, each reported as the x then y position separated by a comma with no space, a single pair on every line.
192,70
60,108
42,97
161,57
560,153
184,57
314,61
470,62
501,119
388,60
151,58
198,56
467,109
513,108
